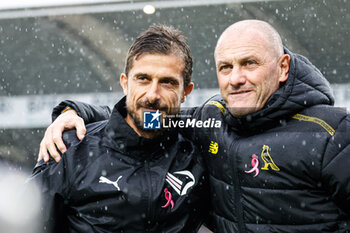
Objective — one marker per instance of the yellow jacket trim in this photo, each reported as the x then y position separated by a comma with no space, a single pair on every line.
217,104
316,120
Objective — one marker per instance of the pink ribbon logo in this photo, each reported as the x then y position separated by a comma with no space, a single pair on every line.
255,165
168,197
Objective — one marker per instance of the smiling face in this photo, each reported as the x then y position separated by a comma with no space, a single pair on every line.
249,70
155,82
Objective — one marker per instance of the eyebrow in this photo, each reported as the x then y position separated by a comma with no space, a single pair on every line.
167,78
223,63
243,58
176,82
141,74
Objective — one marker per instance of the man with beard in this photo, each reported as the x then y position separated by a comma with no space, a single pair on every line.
280,161
122,177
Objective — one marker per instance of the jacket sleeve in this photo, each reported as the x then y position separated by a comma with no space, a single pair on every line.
52,178
189,114
90,113
209,109
336,166
55,180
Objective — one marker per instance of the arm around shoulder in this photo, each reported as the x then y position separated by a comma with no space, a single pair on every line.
89,113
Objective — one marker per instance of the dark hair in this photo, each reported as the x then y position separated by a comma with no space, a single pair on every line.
161,39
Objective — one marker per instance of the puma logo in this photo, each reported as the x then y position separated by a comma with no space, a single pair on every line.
107,181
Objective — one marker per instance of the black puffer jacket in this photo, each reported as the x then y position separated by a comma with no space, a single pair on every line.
115,181
299,146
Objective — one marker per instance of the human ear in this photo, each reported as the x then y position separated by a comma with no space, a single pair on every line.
124,83
284,67
187,91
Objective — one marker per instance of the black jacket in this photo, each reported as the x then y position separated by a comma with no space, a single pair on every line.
300,147
115,181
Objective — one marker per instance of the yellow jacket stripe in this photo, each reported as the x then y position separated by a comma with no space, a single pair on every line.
316,120
217,104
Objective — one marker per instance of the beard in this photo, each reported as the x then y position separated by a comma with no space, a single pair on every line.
145,104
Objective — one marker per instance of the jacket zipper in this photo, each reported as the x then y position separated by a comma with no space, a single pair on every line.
237,188
149,205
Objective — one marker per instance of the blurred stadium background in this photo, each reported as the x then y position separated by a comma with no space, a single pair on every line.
55,50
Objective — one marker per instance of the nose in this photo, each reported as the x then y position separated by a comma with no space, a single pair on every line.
237,77
152,93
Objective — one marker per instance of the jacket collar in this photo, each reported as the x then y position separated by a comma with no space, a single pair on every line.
119,136
305,87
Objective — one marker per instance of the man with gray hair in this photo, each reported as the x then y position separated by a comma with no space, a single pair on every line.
280,161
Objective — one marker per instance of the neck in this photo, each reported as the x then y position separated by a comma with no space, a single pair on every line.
140,132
